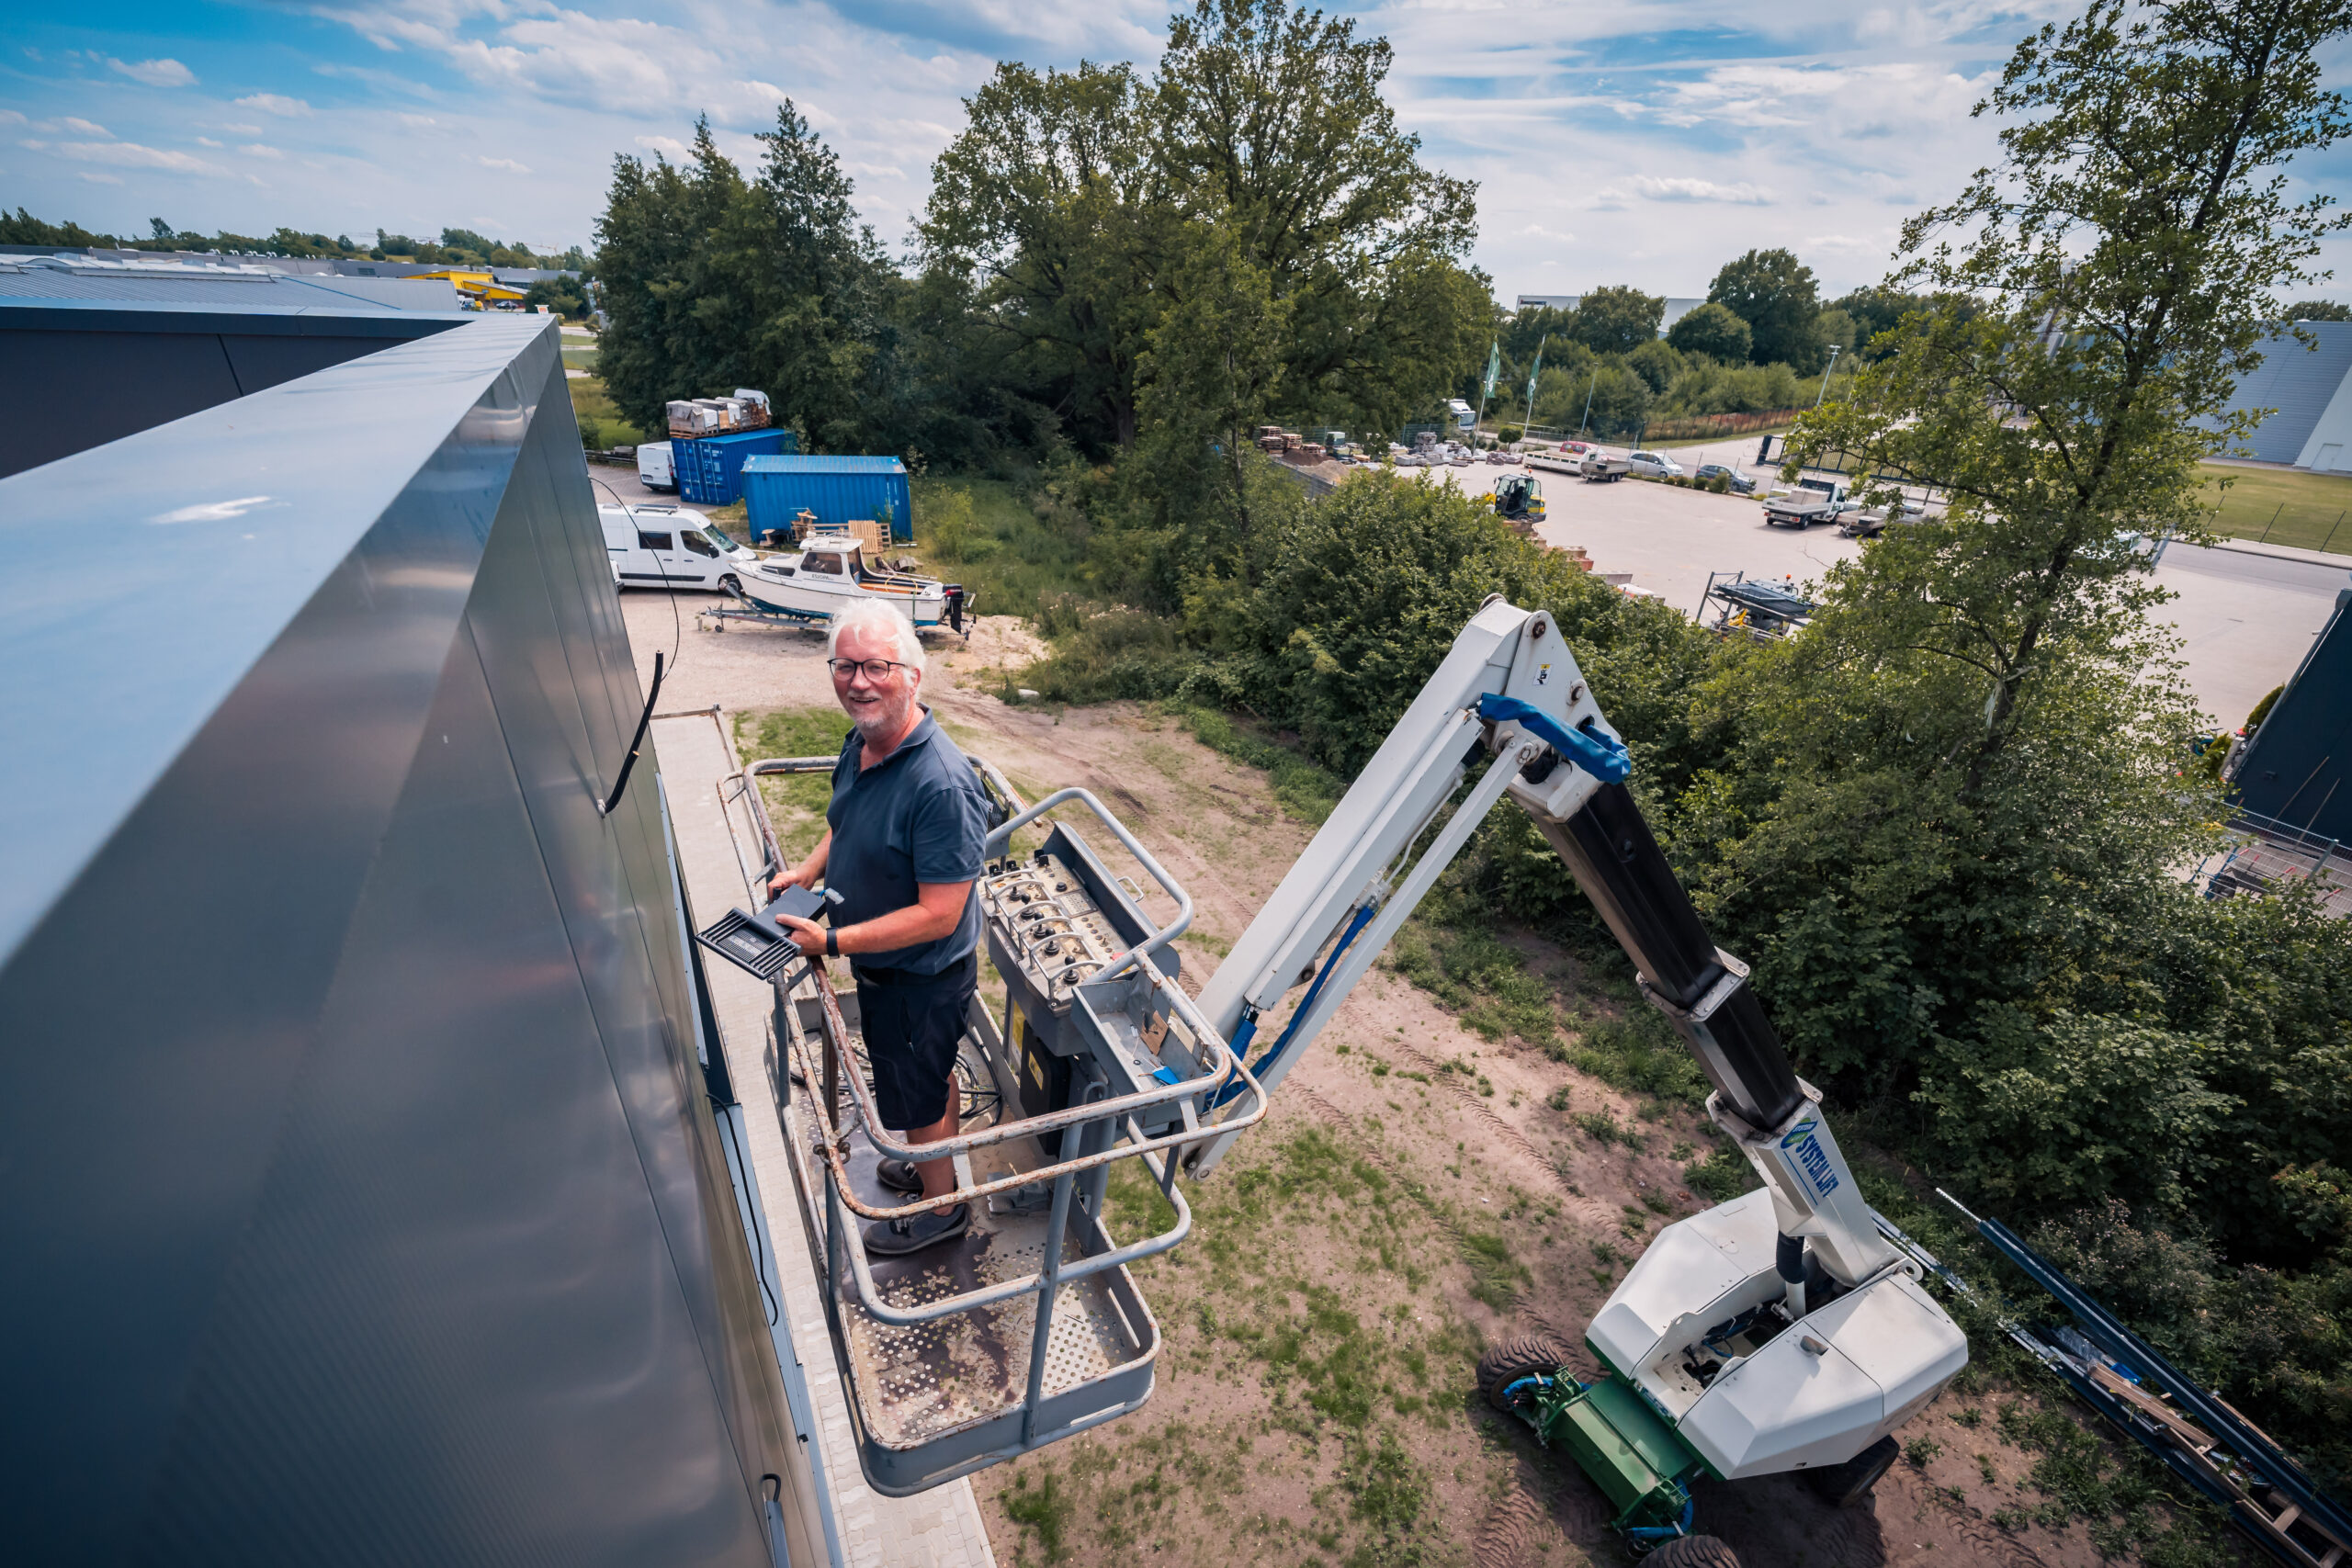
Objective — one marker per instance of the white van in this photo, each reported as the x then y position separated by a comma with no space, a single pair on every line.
669,546
653,469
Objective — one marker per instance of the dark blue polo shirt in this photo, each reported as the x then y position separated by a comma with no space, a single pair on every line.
919,815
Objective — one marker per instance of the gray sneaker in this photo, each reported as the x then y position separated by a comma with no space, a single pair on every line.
897,1238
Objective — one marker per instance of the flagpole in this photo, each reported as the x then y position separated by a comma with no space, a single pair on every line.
1534,371
1494,367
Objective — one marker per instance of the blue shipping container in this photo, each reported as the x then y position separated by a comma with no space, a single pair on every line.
710,469
838,489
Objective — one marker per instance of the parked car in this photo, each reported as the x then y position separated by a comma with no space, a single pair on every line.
1740,483
669,547
654,469
1870,524
1653,465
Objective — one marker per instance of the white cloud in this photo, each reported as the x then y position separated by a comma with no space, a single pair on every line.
258,149
10,116
668,146
277,104
509,165
1681,188
85,127
206,141
242,129
96,178
131,155
154,73
417,121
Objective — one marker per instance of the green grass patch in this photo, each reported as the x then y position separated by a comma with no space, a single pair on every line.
1496,1278
601,424
796,802
2282,506
1484,981
580,357
1041,1507
1722,1176
1304,788
1135,1207
1638,1054
1015,548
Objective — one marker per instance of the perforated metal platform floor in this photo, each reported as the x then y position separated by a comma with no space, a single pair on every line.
939,1528
925,1380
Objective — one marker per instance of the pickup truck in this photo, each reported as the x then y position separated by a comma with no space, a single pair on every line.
1814,501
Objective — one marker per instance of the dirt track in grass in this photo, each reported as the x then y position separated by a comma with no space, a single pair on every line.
1416,1193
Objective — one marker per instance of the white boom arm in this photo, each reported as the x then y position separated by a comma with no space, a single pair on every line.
1352,875
1511,688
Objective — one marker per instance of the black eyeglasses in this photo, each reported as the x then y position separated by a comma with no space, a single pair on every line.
876,669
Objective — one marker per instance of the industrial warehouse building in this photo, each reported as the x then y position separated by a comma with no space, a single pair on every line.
1677,306
2308,388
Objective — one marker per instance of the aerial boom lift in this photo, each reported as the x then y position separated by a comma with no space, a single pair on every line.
1780,1332
1783,1331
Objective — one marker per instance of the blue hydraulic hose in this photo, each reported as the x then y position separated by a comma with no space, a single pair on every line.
1589,748
1242,1036
1661,1534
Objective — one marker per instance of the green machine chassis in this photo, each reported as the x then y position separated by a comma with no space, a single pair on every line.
1639,1462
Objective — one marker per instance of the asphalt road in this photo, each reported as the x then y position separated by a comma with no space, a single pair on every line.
2246,620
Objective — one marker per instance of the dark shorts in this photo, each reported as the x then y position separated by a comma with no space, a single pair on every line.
911,1025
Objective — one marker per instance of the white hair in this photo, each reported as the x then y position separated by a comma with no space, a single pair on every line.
875,616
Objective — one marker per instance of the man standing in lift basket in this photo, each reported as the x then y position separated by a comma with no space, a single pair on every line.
902,847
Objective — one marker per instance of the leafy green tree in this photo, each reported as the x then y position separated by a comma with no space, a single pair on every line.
1524,330
1875,310
1657,362
673,332
1775,294
1617,319
2318,311
1946,820
24,229
1711,330
1072,201
1050,214
564,296
1273,118
1212,369
712,282
2126,256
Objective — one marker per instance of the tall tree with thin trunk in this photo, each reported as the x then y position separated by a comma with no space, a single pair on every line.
2101,291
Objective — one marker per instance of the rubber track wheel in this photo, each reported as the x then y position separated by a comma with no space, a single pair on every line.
1693,1551
1843,1486
1522,1356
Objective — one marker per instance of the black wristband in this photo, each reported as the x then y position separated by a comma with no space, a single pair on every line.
833,944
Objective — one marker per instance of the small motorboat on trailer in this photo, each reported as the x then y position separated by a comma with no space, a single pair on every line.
834,572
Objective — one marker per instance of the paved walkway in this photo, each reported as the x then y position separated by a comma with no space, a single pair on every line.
939,1528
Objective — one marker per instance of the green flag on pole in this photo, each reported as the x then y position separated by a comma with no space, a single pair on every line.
1493,369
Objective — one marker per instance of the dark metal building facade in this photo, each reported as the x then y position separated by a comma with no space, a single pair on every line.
362,1201
2297,764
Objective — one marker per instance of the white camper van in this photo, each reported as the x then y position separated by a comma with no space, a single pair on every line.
653,469
669,546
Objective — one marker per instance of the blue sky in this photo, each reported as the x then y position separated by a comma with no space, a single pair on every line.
1643,142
